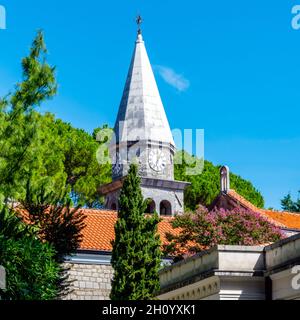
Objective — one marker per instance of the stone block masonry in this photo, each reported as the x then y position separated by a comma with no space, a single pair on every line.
89,281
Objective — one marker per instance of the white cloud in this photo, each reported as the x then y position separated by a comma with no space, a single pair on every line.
174,79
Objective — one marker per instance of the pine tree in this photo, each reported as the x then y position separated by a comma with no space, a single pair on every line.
18,126
136,255
288,204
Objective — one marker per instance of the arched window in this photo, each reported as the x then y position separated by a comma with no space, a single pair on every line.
165,208
113,206
151,206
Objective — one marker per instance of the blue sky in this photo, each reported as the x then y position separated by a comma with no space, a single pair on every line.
230,67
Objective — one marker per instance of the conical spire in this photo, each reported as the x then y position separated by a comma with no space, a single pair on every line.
141,113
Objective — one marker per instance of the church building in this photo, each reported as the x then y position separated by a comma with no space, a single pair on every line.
142,135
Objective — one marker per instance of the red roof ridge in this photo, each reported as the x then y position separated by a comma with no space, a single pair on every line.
233,193
110,213
97,210
282,212
272,216
243,200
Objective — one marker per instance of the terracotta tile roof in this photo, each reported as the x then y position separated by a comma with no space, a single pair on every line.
99,230
279,218
288,219
242,201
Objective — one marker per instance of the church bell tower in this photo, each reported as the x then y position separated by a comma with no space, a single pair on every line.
143,135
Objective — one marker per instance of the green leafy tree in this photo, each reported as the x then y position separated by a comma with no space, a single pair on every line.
32,272
17,126
206,185
84,172
65,159
60,158
33,154
288,204
136,255
50,153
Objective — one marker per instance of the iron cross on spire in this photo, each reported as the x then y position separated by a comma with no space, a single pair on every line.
139,22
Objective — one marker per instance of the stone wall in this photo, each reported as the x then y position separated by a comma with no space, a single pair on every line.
90,281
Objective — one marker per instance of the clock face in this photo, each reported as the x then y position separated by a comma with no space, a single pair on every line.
116,168
157,160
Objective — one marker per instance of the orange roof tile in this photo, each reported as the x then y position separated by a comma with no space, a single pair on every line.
244,202
99,230
288,219
280,218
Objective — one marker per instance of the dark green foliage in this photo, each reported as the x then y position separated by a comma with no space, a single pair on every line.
56,221
32,272
288,204
136,255
78,151
58,157
206,186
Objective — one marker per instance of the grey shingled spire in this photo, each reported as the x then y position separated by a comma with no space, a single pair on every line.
141,113
143,136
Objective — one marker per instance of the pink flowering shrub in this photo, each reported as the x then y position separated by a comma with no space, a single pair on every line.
195,232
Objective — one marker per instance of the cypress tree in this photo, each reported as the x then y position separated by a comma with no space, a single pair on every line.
136,255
